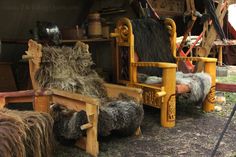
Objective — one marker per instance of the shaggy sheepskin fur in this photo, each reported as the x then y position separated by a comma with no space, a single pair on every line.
152,44
25,133
122,115
67,124
199,84
70,69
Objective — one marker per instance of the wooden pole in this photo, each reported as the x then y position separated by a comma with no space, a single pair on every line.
220,56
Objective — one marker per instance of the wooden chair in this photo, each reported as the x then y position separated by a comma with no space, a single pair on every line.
161,96
42,98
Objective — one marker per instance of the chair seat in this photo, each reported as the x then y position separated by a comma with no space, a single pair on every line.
180,88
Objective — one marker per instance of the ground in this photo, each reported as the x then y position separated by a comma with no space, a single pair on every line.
195,134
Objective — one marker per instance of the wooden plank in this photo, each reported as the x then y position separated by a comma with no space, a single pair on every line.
17,93
180,88
212,34
20,99
25,41
87,40
155,64
69,103
92,146
115,90
34,51
221,43
226,87
203,59
75,96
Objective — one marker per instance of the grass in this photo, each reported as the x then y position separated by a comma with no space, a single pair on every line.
230,97
229,79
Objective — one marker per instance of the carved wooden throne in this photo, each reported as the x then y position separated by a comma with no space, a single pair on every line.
42,98
161,96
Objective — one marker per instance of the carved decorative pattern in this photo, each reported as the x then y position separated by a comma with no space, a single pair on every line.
171,108
124,63
211,95
149,96
124,33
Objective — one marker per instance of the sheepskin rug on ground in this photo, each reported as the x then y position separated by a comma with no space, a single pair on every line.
25,134
70,69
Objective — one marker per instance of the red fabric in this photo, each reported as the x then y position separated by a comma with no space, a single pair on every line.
231,30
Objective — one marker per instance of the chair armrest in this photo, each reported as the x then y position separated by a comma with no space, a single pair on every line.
155,64
159,91
114,91
75,96
203,59
18,93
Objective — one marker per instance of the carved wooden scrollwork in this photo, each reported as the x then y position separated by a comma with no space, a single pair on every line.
171,108
211,95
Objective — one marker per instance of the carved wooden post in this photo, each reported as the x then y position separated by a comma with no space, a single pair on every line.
132,69
210,68
168,107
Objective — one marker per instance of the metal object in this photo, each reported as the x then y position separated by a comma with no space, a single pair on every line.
223,132
48,32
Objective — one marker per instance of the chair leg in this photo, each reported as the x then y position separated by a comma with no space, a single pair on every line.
2,102
208,105
168,112
41,103
168,107
138,132
92,146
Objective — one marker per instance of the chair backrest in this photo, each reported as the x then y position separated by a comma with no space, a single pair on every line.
34,55
127,44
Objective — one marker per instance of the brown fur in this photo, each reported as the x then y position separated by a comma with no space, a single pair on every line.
25,133
70,69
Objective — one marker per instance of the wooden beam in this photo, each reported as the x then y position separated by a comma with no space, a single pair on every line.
69,103
115,90
17,93
226,87
75,96
19,99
